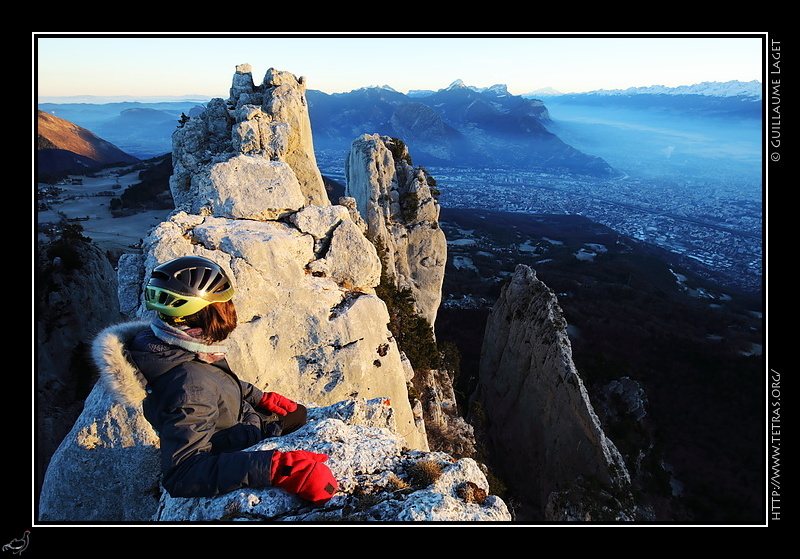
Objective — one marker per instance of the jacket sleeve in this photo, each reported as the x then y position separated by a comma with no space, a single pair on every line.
190,468
251,393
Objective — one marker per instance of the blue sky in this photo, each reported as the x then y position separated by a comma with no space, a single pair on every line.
138,65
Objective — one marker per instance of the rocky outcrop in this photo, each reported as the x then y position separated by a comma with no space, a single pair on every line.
107,468
398,206
543,431
310,322
380,479
310,327
67,268
270,124
402,217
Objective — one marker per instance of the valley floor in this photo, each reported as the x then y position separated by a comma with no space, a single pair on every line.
87,202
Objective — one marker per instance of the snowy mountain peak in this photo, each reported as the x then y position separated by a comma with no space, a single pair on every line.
544,92
712,89
751,89
384,87
498,89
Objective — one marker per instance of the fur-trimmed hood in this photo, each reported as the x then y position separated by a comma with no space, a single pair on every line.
129,356
117,372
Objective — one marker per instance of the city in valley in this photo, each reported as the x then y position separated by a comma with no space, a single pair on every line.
714,225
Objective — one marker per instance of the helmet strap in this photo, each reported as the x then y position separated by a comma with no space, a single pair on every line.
172,319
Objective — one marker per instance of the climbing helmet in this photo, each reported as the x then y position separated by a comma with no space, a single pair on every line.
185,285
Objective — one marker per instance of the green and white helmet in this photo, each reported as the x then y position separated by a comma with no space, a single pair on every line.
185,285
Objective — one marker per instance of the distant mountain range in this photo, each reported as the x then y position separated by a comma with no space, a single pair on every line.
752,89
732,99
459,125
456,125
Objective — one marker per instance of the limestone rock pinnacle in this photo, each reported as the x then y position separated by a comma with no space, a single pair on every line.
401,213
268,122
538,410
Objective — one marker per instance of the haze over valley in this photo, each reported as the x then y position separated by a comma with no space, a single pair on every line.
687,169
689,176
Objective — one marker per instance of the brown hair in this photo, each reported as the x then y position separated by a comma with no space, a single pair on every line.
217,320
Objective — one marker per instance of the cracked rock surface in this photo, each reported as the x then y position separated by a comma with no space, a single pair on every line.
379,478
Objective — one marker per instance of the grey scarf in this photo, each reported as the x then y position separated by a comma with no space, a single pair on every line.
190,339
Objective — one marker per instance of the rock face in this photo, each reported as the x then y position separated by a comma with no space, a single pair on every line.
310,327
318,336
543,430
402,216
65,325
380,479
107,468
270,124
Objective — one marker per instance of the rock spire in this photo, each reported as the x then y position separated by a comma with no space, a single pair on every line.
240,139
402,215
543,430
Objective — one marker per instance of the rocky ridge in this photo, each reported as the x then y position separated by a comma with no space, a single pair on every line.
458,125
62,145
245,187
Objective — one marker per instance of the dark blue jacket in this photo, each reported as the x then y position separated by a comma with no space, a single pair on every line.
205,416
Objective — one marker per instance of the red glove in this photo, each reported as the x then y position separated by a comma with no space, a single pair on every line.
303,473
274,402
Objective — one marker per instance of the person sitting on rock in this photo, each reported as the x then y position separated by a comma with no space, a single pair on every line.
204,414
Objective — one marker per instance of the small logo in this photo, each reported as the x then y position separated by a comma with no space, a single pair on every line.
18,545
